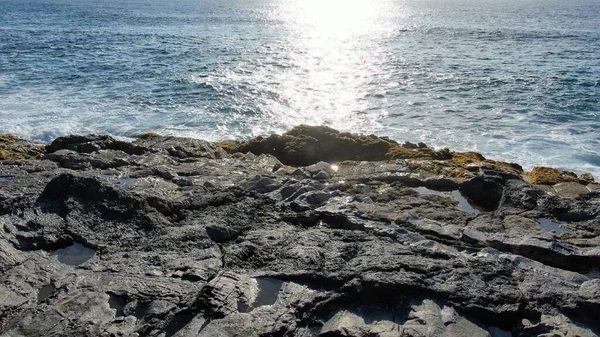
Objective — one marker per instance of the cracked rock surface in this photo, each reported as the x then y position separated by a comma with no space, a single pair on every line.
175,237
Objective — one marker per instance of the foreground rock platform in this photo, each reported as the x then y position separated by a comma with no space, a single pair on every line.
311,233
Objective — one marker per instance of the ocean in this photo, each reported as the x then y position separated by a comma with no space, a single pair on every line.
517,80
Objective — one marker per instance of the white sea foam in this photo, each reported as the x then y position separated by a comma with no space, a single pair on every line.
501,80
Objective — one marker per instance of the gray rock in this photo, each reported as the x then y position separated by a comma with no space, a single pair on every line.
570,189
322,175
321,166
318,197
186,240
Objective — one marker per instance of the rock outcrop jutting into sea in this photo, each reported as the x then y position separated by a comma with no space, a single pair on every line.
309,233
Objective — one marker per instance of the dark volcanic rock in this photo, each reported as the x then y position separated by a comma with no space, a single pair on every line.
93,143
175,237
306,145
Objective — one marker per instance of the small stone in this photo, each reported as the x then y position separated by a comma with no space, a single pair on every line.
322,175
299,172
265,184
317,197
287,191
321,166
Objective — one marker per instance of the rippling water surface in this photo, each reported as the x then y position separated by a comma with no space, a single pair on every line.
517,80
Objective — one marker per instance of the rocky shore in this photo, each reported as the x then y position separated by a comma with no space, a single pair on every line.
309,233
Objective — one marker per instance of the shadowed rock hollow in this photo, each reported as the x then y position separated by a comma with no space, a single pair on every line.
360,236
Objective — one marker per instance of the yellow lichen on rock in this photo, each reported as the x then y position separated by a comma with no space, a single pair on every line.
466,158
147,135
549,176
230,146
13,148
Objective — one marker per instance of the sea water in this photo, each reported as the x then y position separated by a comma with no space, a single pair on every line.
517,80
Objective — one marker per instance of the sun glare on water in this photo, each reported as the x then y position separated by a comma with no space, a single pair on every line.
333,19
329,66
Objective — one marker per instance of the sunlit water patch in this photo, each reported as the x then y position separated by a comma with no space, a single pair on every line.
268,291
555,226
515,80
74,255
463,203
117,303
45,292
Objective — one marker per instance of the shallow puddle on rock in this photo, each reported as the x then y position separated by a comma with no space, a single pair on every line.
268,290
118,303
45,292
593,274
119,179
124,181
551,225
497,332
427,191
464,204
4,179
140,311
178,322
74,255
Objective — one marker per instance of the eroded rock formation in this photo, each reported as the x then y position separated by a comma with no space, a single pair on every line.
177,237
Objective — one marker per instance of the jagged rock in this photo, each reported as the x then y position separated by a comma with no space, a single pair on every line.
174,237
93,143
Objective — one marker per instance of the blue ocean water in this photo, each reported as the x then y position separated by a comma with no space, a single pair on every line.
517,80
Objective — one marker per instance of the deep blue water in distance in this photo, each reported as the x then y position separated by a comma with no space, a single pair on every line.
517,80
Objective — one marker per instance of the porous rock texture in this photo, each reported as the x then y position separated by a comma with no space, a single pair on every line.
176,237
